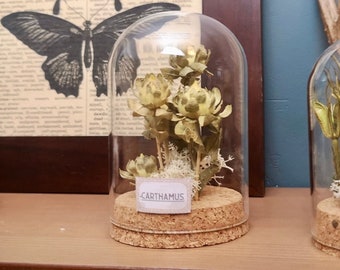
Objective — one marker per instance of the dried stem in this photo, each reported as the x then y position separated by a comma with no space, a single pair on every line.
166,152
197,170
336,158
159,154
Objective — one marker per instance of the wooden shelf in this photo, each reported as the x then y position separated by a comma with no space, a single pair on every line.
44,231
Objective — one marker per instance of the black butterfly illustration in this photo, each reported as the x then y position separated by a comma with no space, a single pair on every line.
61,41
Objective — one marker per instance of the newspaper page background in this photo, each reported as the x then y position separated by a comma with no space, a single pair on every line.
28,106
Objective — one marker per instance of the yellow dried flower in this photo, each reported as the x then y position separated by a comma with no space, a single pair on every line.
152,91
142,166
189,66
195,101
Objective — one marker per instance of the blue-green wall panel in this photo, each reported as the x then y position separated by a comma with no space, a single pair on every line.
293,39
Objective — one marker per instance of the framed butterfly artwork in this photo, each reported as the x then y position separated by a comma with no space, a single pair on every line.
55,109
54,105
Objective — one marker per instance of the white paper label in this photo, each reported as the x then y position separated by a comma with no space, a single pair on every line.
163,196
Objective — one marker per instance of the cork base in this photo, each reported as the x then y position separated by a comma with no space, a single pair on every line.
327,226
218,217
327,249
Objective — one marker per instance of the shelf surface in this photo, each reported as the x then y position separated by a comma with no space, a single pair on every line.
62,231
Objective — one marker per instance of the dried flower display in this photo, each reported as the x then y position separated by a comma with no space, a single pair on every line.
180,134
328,116
324,92
186,125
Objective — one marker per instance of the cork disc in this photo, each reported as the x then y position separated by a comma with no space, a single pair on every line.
327,226
218,217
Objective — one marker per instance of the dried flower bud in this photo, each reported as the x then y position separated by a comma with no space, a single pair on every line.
188,66
195,101
142,166
152,91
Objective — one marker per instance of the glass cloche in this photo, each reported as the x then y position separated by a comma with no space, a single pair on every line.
180,134
324,116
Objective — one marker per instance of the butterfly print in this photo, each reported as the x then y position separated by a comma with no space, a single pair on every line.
61,41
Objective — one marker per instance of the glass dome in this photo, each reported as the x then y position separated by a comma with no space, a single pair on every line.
324,122
179,110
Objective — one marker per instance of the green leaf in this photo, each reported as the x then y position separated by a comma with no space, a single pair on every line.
142,111
185,71
182,61
176,118
126,175
147,134
205,120
336,119
160,112
206,175
322,114
217,94
212,144
188,131
132,104
138,109
169,73
198,67
226,112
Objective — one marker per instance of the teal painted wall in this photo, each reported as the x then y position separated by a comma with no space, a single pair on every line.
293,39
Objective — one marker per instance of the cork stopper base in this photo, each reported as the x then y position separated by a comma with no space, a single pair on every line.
217,217
327,227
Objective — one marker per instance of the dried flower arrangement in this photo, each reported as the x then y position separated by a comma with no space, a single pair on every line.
324,93
328,116
186,125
